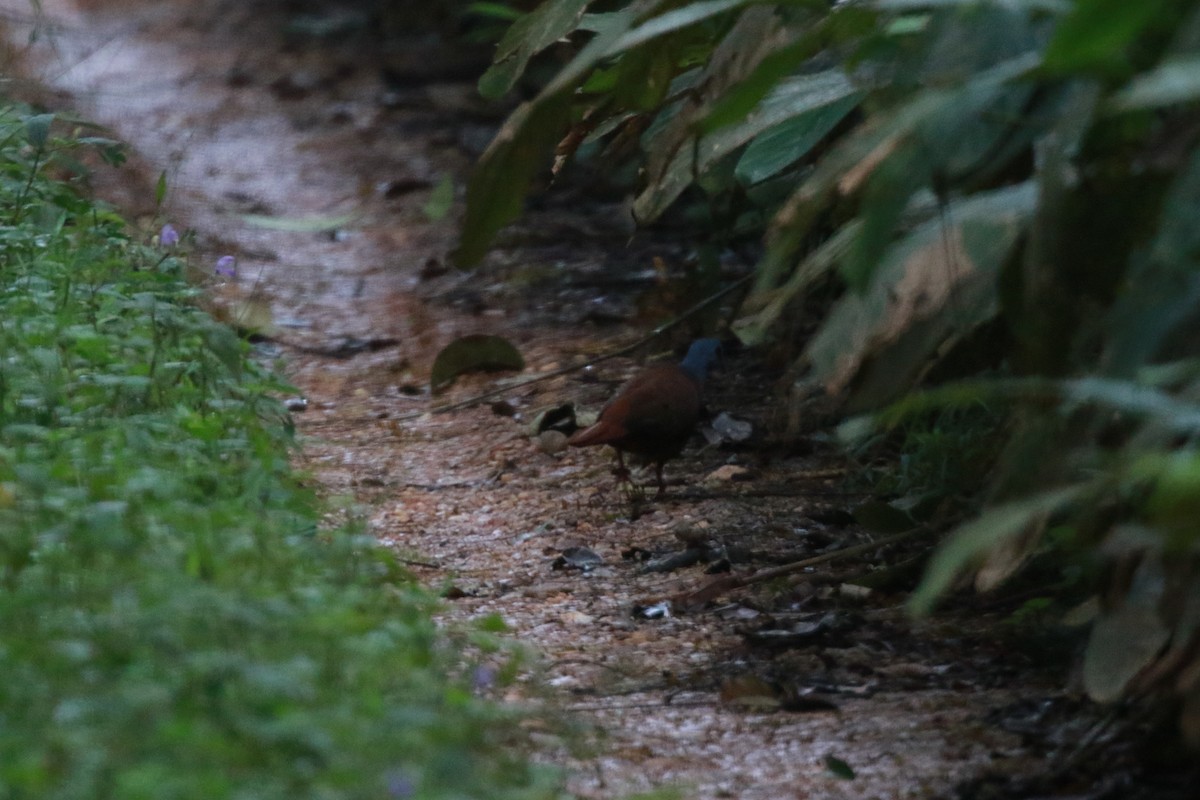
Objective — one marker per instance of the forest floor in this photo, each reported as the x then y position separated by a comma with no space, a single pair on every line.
296,142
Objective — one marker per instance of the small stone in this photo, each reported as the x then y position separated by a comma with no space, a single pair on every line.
854,591
730,429
552,442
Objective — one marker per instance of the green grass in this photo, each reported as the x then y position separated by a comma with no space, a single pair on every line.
173,624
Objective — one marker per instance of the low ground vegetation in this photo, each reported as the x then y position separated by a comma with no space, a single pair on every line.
176,621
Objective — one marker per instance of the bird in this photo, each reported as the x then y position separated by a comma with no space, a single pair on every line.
654,413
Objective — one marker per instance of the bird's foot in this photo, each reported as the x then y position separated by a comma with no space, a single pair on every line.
625,482
635,493
622,475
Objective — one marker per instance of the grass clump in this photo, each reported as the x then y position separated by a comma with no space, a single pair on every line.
172,623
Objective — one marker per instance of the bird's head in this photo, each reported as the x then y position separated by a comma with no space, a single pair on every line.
699,356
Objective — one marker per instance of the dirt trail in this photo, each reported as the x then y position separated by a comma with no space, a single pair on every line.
249,119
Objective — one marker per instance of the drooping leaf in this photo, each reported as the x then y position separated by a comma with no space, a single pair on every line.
764,308
1175,499
497,188
643,76
1163,286
1124,641
1039,315
160,188
790,99
1058,6
943,271
899,174
474,353
494,11
1134,399
848,165
1095,34
733,105
675,20
969,544
1003,560
778,147
674,154
1174,81
527,37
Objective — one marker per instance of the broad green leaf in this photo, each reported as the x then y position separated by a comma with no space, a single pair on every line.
1057,6
604,22
527,37
643,76
225,345
908,24
765,307
899,174
855,157
940,278
1172,82
1124,641
522,147
1041,328
1163,286
732,106
472,354
791,98
1130,398
1126,397
1095,34
670,143
675,20
1175,499
497,189
160,188
37,129
968,545
441,199
777,148
972,132
494,11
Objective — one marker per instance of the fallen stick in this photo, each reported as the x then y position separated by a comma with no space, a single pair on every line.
729,583
626,350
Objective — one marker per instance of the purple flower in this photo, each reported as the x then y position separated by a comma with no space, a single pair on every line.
483,677
399,785
168,236
226,266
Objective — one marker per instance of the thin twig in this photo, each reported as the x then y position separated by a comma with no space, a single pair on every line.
409,562
731,582
622,351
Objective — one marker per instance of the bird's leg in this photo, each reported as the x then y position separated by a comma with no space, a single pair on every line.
662,485
621,471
